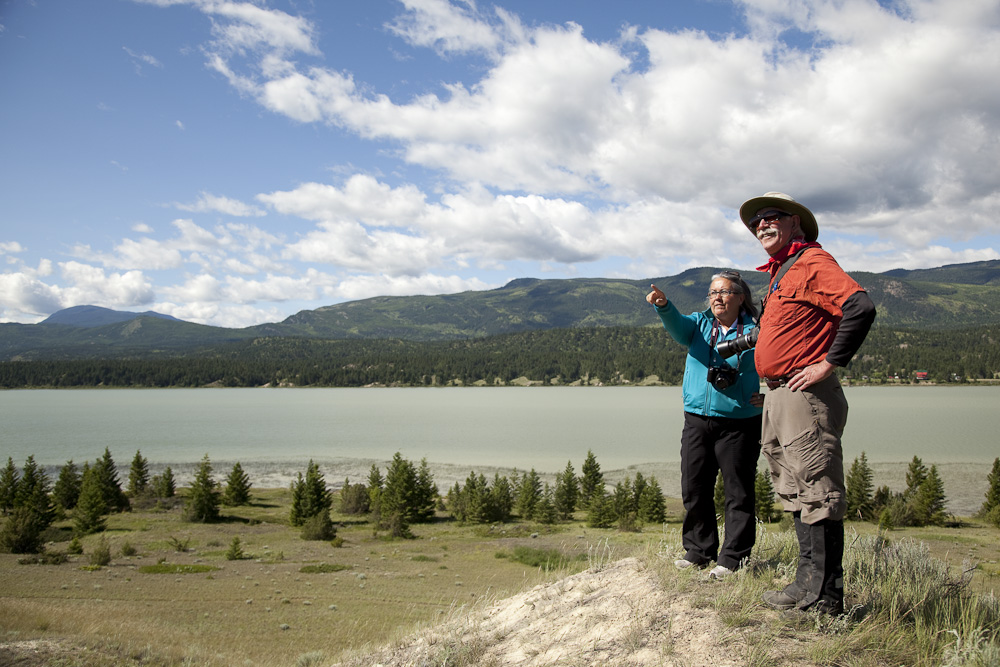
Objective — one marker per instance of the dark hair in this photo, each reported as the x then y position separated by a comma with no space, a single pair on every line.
740,286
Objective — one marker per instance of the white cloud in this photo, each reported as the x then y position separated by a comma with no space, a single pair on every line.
363,287
891,112
209,202
24,298
446,27
361,198
140,59
557,152
91,285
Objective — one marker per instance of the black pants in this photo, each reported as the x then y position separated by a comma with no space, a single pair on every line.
708,445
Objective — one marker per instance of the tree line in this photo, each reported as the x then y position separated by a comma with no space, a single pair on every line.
406,494
607,355
392,501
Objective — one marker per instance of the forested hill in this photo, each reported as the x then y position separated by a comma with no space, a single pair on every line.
951,297
594,356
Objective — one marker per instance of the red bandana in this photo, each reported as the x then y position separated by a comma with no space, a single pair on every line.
776,260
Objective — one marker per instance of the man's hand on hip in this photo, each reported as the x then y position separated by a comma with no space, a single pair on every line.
810,375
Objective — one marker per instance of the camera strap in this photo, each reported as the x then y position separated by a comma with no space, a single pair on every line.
716,326
780,274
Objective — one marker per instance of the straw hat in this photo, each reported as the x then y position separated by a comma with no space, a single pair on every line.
783,202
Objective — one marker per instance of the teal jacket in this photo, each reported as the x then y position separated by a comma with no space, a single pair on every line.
694,332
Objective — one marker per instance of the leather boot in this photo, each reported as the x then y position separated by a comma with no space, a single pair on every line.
794,592
825,586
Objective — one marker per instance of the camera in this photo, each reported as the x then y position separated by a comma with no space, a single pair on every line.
722,377
728,348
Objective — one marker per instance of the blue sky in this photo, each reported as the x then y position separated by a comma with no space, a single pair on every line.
232,163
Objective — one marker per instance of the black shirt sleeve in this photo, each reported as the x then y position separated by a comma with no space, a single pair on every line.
859,313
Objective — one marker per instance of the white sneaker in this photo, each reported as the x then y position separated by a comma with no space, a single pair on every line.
684,564
719,572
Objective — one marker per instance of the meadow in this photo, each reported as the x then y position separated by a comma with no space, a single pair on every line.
171,595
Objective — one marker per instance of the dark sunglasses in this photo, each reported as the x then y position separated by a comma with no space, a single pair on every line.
755,221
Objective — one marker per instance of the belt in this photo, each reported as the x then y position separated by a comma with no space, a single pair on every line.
774,383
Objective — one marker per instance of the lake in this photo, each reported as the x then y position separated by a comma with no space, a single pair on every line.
274,432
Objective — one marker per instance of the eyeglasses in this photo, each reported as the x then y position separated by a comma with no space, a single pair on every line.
755,221
721,292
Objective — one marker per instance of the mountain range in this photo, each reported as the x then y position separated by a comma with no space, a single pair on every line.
948,297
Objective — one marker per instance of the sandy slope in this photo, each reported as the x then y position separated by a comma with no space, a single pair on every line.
618,615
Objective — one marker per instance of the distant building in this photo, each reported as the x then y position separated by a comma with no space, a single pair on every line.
920,375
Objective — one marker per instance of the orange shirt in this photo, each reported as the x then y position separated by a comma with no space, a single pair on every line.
801,317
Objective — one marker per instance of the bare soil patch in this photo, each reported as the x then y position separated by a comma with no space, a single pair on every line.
618,615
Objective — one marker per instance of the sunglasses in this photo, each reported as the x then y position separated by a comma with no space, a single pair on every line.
755,221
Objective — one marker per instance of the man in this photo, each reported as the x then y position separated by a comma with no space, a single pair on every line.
815,318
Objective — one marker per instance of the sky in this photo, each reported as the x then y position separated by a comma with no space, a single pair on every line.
232,163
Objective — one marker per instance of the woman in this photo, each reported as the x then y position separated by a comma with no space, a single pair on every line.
722,423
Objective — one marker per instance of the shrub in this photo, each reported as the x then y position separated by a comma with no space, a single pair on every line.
101,554
23,532
235,550
323,568
180,545
546,559
128,550
319,527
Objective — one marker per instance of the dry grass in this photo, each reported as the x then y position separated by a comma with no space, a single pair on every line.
266,611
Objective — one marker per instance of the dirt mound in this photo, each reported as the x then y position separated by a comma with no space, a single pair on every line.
618,615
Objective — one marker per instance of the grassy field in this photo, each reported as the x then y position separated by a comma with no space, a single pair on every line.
178,599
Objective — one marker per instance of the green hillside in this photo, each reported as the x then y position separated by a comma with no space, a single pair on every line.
951,297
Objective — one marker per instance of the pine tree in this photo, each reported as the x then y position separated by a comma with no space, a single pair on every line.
202,504
652,504
398,495
9,477
426,494
764,497
638,486
566,492
916,473
88,515
310,496
66,491
530,492
929,500
501,499
107,479
238,485
859,490
600,511
993,490
235,551
375,486
622,503
545,510
592,479
138,476
353,498
32,514
163,485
